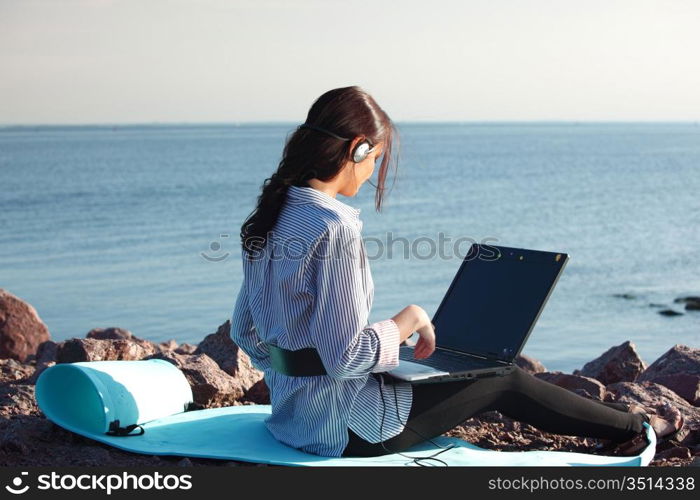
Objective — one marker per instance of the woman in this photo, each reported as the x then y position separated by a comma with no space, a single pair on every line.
307,284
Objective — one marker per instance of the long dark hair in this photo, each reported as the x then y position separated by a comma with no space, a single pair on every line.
347,112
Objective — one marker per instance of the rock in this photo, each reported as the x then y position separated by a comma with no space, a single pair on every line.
678,359
46,353
90,349
670,312
692,303
95,455
621,363
584,393
653,397
13,437
529,364
12,370
45,357
37,373
115,333
232,359
32,440
647,394
221,348
109,333
211,386
259,393
186,348
584,385
17,399
675,452
21,329
685,385
147,344
169,345
679,370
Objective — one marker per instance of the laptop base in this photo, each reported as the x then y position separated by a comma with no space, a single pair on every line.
452,377
427,372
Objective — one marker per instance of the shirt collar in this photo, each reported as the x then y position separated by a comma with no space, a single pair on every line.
307,194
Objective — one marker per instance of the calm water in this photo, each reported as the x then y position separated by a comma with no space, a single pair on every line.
105,226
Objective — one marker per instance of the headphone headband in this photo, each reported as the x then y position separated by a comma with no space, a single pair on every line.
319,129
362,149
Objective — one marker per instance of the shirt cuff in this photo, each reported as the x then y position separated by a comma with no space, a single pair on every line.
389,336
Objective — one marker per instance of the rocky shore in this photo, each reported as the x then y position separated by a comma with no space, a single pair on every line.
221,374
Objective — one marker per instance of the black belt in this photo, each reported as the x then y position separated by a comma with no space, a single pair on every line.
300,363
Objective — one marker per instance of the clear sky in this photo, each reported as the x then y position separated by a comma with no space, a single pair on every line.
136,61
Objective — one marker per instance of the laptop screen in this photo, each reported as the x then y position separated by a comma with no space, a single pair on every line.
495,300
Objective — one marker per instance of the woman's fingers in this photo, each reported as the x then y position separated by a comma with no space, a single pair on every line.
417,350
422,349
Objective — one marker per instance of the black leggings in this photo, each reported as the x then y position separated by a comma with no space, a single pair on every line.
439,407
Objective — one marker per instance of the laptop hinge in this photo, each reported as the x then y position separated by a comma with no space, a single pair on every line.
473,354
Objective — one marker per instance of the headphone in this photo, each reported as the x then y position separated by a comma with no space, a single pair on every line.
362,149
405,424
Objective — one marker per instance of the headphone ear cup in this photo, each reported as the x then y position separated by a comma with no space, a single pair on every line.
361,151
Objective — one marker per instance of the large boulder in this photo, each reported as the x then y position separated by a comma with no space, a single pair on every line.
685,385
232,359
21,329
585,386
679,370
654,397
620,363
211,386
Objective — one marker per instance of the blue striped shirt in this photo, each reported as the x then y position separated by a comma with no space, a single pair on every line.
311,286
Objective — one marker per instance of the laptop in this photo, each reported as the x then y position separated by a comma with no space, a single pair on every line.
486,316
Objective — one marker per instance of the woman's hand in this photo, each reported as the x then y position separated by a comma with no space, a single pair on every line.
411,319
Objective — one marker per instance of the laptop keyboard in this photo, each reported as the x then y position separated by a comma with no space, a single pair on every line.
443,360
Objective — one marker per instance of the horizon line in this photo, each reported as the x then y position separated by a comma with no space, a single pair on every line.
286,123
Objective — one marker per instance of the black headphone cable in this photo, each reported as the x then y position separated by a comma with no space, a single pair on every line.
381,428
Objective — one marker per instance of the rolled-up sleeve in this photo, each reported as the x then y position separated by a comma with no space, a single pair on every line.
349,347
244,335
389,337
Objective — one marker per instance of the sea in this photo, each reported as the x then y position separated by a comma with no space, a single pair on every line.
137,226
